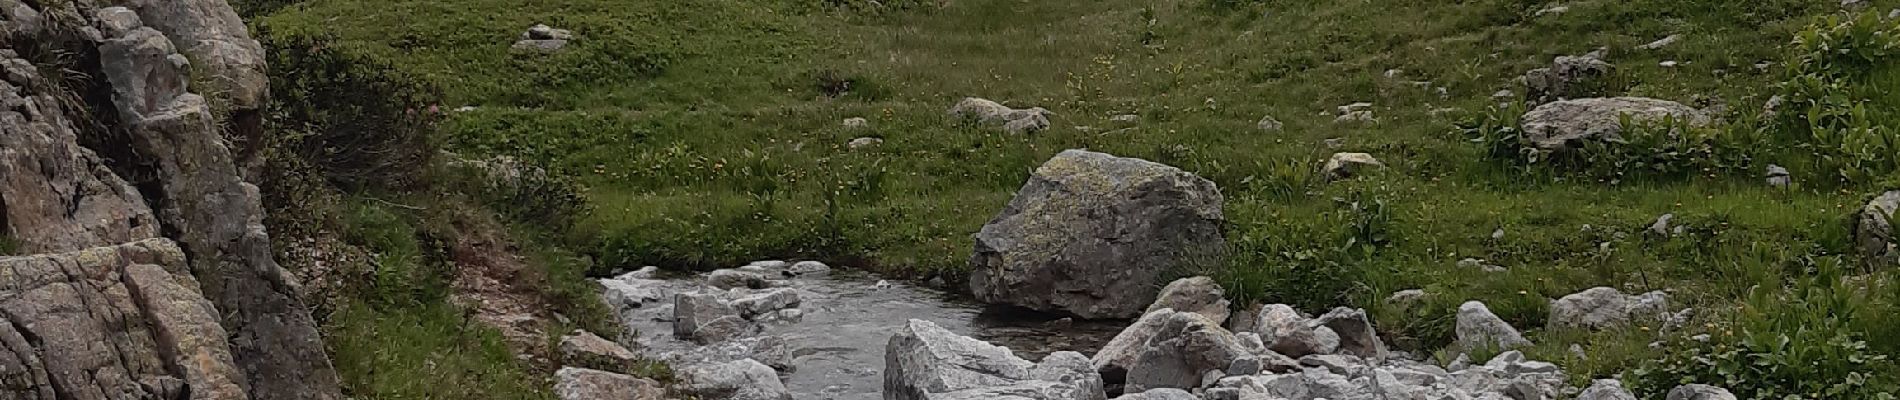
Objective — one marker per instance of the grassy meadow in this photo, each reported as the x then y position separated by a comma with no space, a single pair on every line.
707,134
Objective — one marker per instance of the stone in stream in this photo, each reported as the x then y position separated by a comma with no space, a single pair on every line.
924,361
1478,328
1873,230
737,380
753,306
1605,307
704,318
584,349
572,383
737,278
1198,295
1090,233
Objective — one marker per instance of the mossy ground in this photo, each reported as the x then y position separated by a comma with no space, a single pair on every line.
709,135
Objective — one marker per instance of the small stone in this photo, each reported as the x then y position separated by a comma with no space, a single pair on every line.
584,349
1778,176
863,142
1553,10
1334,143
856,123
1503,95
1661,226
1669,64
809,268
1126,119
1346,165
1699,392
1660,43
1478,328
1268,124
1407,296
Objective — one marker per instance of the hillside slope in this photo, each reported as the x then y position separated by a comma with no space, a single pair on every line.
710,134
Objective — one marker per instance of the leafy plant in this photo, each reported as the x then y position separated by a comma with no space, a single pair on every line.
1827,110
1805,341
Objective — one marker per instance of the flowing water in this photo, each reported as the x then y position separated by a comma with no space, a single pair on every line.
838,346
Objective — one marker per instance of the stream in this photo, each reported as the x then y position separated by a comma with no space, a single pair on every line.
835,350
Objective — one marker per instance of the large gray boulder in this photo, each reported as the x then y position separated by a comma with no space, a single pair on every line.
1569,77
1873,230
586,384
737,380
924,361
1478,328
116,322
1091,233
1564,124
1199,295
1604,307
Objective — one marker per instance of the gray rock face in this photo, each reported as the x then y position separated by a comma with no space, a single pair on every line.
586,384
57,195
116,322
1090,233
1699,392
216,213
737,380
1873,230
1604,307
1478,328
924,361
1606,389
210,32
584,349
1199,295
1356,336
1568,78
1559,125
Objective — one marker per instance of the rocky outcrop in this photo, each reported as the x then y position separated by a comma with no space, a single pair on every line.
56,196
1873,230
1563,124
924,361
115,322
1604,307
216,214
1478,328
1091,233
188,176
586,384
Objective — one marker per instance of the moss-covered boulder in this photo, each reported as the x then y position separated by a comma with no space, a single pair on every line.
1092,235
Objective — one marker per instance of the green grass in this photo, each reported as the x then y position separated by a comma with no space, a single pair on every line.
707,138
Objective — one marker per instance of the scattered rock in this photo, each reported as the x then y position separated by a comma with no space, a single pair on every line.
1199,295
1606,389
1125,119
572,383
923,361
992,113
1555,10
1873,230
856,123
1850,5
1699,392
1049,250
1661,226
1478,328
1346,165
1268,124
1604,307
1568,77
544,32
1778,176
1356,336
1473,263
1669,64
1661,43
1187,346
738,380
863,142
1408,296
1334,143
539,46
1559,125
584,349
1287,332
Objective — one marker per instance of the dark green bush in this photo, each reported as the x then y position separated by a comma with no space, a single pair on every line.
1832,114
523,192
360,122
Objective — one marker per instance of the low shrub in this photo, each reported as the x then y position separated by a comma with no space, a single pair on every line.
358,121
1833,112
